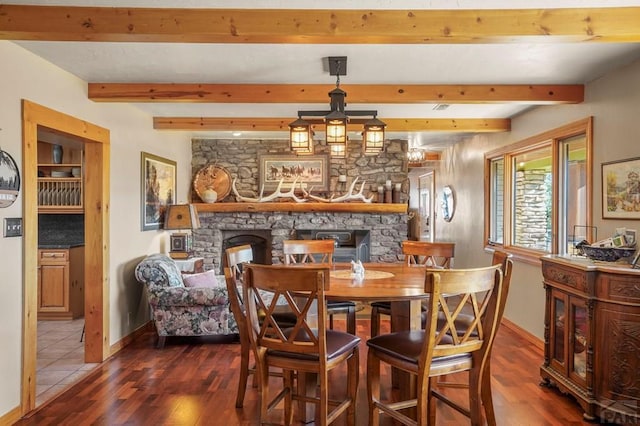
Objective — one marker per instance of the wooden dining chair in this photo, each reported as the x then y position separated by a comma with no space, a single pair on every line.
306,348
417,253
236,257
320,252
441,348
502,259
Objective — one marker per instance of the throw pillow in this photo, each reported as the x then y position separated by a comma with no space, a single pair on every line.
204,279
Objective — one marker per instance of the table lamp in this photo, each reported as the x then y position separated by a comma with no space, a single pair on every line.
181,217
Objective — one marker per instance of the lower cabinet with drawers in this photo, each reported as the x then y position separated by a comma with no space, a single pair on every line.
60,283
592,336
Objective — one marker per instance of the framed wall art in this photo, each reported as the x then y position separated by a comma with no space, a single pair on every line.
158,189
310,171
621,189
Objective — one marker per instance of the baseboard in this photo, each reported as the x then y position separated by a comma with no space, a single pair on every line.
11,417
120,344
523,333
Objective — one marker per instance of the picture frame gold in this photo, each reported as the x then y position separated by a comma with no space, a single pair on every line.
311,171
158,189
621,189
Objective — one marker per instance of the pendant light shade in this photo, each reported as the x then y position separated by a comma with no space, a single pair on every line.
336,127
301,137
373,136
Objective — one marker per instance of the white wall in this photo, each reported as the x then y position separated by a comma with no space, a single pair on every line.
26,76
613,101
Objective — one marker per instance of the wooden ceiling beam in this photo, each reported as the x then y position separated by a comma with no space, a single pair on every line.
309,26
245,124
531,94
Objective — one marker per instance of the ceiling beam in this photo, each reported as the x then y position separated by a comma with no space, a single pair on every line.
245,124
539,94
309,26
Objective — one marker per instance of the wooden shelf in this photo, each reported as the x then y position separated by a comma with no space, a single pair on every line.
301,207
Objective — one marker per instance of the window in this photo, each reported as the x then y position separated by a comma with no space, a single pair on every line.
537,193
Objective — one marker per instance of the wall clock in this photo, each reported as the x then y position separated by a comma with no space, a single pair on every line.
9,179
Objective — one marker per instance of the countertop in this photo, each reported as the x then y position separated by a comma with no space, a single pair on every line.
59,245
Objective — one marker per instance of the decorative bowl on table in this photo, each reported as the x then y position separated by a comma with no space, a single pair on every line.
607,254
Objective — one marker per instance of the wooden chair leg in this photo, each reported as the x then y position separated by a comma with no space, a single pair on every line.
244,373
487,398
353,364
287,378
431,402
373,388
475,400
351,320
375,322
331,321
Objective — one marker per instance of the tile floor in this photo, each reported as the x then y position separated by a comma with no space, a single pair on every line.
60,360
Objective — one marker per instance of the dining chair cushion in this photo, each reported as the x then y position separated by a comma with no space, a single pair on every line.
337,304
406,345
338,342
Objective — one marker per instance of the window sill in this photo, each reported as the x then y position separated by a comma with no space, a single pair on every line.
520,255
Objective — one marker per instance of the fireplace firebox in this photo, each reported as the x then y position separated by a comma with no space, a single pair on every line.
349,245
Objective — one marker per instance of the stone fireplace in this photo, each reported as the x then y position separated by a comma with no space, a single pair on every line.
379,234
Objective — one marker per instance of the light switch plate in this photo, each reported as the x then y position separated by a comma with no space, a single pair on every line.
12,227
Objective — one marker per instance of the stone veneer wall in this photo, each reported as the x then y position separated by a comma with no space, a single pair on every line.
387,231
532,206
241,157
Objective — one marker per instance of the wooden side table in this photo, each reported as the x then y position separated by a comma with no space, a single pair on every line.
192,265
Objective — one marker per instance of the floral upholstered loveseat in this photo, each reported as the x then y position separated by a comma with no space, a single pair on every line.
184,310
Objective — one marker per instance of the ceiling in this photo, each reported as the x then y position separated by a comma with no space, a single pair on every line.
447,64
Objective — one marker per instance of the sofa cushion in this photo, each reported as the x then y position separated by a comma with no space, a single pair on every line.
203,279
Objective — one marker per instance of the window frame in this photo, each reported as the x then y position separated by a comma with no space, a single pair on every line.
552,138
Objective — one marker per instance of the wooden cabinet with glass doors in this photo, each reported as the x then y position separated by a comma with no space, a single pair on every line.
60,182
592,335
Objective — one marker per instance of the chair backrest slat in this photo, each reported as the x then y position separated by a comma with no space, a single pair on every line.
428,254
235,258
302,291
472,289
308,251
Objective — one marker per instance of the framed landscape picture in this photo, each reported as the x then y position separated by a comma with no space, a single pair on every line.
158,189
621,189
310,171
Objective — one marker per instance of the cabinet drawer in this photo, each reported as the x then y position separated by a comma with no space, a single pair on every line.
619,288
53,256
565,276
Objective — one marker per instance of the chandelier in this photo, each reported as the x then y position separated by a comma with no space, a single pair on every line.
415,156
335,121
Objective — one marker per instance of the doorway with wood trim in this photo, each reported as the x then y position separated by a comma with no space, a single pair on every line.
96,142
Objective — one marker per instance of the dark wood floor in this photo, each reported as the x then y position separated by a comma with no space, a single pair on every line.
192,382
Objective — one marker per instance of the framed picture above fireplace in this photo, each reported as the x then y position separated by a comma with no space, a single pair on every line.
310,171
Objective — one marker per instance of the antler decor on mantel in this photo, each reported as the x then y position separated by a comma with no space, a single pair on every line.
277,194
348,196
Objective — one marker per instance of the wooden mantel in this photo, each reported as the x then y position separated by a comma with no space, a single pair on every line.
301,207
